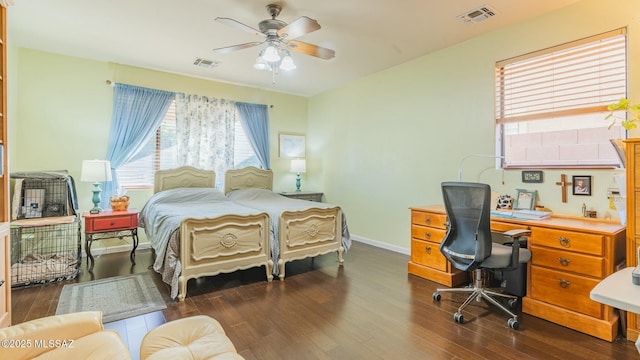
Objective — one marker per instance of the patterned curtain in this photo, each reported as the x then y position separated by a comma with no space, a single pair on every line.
205,133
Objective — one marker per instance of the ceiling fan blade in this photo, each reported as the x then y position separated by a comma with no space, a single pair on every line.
302,25
228,49
310,49
238,25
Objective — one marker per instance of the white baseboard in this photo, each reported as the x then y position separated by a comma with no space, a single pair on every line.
115,249
381,245
146,245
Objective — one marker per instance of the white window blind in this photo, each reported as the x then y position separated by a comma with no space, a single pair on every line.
550,104
580,77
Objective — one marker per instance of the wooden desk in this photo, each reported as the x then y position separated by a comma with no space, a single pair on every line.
570,256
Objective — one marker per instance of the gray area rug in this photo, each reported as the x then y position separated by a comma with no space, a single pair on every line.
117,297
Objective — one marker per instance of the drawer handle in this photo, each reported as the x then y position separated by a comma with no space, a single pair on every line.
113,223
564,283
428,249
564,261
564,241
427,235
427,221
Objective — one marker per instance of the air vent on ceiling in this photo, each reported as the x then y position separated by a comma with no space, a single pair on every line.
477,15
206,63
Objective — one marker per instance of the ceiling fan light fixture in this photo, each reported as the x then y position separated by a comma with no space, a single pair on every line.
271,54
260,64
287,63
279,38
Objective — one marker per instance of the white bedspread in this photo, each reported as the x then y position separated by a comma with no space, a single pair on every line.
274,204
161,217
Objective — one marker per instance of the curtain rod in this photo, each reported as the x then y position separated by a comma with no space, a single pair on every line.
111,83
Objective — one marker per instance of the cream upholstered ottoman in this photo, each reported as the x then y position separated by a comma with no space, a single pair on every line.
196,337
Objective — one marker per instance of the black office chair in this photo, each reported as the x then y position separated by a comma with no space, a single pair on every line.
468,245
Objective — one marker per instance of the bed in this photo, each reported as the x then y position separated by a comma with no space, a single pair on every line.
196,231
299,228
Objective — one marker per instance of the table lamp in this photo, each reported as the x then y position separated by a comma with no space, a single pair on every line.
298,166
95,171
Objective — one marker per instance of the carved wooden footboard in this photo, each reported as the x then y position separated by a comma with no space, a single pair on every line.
308,233
222,245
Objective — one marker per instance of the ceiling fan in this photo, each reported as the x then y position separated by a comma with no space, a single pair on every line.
280,38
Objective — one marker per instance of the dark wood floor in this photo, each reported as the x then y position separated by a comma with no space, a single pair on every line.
368,309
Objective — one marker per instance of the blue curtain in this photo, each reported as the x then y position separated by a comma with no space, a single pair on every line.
255,122
137,114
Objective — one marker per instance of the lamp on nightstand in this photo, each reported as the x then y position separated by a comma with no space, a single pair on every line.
298,166
95,171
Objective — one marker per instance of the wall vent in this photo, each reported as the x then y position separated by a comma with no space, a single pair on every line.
205,63
478,15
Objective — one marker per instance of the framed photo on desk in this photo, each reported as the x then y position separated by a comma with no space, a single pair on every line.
525,200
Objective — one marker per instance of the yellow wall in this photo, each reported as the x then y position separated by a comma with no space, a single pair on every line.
385,142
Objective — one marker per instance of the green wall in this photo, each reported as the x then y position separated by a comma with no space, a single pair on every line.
60,114
384,143
376,146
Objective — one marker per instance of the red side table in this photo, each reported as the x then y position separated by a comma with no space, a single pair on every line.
109,224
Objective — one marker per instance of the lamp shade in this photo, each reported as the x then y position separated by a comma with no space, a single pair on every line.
298,166
95,171
271,54
261,64
287,63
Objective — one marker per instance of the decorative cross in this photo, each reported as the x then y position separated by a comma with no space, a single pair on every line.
564,183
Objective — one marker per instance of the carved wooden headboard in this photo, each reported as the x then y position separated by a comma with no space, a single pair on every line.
248,177
184,176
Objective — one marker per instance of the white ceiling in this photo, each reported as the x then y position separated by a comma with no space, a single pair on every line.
168,35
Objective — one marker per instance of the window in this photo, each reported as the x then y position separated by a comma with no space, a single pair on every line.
551,104
159,153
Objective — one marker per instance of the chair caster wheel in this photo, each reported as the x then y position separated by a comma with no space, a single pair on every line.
436,296
458,318
513,324
513,303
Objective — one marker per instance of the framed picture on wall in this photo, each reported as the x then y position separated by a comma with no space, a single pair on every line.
292,146
581,185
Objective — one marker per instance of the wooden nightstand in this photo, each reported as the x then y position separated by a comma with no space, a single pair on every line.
304,195
108,224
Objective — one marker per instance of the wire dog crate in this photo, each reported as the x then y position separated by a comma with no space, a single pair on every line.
45,228
44,250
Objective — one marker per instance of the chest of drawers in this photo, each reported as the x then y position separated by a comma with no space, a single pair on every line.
633,221
566,263
427,231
